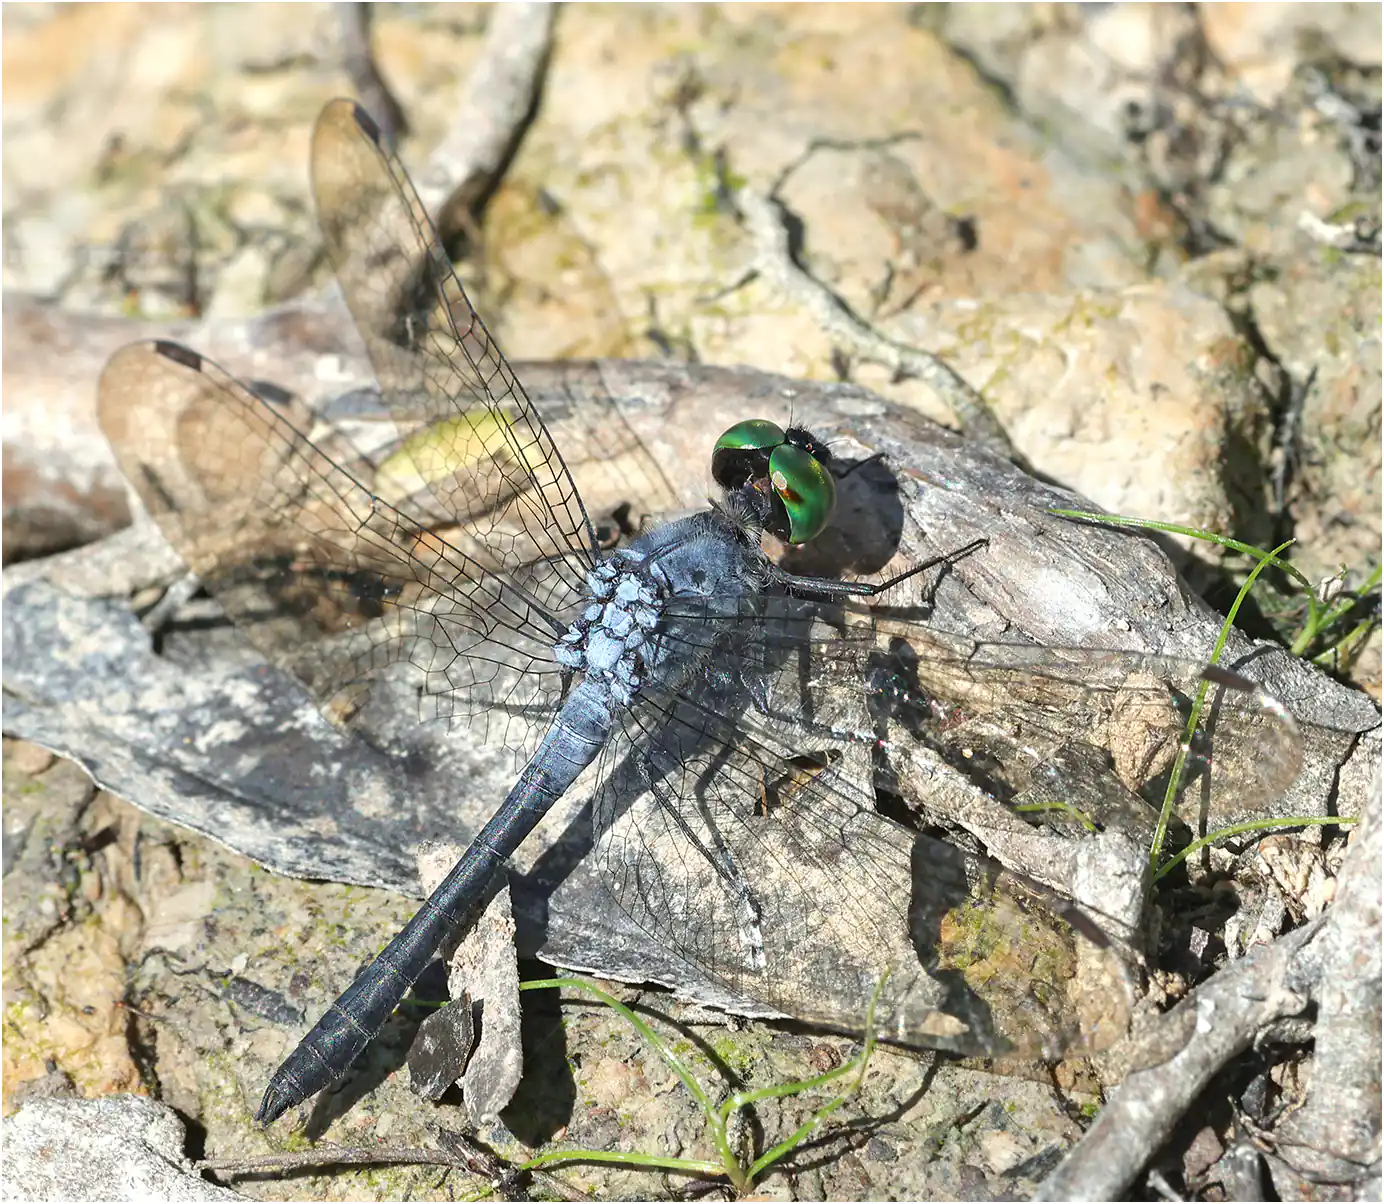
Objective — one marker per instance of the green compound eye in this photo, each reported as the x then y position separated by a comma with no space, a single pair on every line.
806,489
757,452
754,434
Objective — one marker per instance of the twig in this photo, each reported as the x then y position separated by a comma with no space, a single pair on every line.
1223,1015
464,167
335,1155
500,98
1335,1134
765,219
461,1153
1333,960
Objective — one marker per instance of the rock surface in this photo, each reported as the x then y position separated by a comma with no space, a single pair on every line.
122,1147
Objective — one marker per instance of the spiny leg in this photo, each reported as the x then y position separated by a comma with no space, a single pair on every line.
829,587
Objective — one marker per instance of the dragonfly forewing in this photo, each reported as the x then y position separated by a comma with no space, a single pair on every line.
326,580
488,456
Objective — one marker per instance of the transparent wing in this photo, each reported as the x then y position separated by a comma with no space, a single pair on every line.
320,565
1037,728
753,822
1076,739
484,452
619,481
326,580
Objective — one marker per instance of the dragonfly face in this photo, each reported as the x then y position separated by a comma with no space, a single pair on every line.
787,468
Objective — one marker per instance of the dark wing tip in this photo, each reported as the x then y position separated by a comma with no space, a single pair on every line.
367,123
178,354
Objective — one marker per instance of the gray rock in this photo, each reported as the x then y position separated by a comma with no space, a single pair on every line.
124,1147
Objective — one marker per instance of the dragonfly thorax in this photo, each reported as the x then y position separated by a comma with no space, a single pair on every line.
650,606
605,641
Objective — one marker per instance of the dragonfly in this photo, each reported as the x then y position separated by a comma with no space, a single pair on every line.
748,736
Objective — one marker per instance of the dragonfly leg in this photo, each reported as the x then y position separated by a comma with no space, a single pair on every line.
829,587
857,466
174,597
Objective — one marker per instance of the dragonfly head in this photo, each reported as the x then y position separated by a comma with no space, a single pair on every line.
787,469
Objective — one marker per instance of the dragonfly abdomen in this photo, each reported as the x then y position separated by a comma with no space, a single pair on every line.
352,1022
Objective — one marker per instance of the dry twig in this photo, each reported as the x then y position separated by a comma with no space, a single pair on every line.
1334,961
774,260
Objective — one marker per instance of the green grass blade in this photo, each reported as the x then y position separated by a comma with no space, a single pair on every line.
675,1063
1165,812
1250,550
731,1166
1249,825
805,1130
1322,620
688,1166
